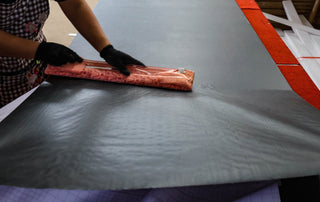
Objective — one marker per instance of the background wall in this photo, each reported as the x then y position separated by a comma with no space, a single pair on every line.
58,27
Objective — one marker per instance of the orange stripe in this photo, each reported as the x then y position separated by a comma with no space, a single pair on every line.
308,58
248,4
295,75
270,38
301,83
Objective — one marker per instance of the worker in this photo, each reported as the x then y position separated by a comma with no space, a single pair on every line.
24,52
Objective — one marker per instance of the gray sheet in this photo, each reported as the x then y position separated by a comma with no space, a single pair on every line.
211,37
240,123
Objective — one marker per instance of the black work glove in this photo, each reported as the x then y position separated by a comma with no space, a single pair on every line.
56,54
119,59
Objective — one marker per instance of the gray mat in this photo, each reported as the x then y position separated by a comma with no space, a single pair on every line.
211,37
240,123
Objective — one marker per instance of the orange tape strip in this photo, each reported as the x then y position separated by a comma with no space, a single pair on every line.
308,58
278,50
294,73
301,83
248,4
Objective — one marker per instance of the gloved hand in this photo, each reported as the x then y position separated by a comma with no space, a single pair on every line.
56,54
119,59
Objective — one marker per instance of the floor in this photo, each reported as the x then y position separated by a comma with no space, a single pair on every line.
58,27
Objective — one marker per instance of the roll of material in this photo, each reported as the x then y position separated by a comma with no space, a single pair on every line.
178,79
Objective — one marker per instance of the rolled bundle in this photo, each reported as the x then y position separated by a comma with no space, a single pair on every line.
160,77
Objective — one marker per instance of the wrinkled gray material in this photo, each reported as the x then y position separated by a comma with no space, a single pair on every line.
241,122
211,37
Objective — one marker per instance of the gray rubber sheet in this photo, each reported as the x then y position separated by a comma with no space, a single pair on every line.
241,123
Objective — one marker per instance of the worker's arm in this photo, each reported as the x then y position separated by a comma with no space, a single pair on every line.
13,46
82,17
51,53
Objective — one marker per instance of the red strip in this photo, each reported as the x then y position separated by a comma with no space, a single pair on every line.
248,4
270,38
308,58
295,75
301,83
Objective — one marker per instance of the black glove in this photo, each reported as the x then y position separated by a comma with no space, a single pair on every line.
56,54
119,59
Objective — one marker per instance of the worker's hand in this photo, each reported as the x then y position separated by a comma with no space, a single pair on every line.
119,59
56,54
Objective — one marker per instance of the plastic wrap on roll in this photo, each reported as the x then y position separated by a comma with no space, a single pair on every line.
178,79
